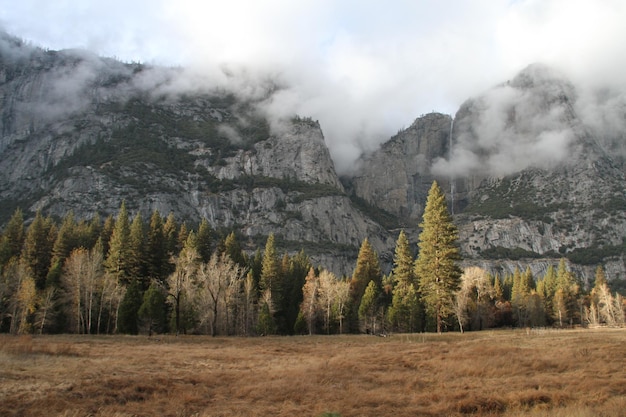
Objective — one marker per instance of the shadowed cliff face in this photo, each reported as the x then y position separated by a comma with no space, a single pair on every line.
397,177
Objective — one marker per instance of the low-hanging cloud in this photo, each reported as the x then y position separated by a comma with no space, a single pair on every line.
364,69
529,122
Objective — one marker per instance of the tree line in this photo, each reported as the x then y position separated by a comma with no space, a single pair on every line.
124,275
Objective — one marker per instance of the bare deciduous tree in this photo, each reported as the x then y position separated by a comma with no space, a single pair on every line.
180,282
218,283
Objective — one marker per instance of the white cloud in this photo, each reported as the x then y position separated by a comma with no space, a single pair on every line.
363,68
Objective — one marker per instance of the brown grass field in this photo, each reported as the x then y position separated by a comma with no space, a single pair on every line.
510,373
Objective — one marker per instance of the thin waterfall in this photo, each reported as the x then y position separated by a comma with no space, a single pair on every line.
452,184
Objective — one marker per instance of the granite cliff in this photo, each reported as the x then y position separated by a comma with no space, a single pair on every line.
528,179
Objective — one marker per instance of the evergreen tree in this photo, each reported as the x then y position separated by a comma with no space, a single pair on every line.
600,277
436,266
270,272
106,232
181,238
37,250
152,310
367,269
26,298
497,288
93,232
528,281
256,267
266,324
404,314
137,252
66,241
128,318
517,290
309,307
520,296
156,259
170,234
565,305
403,263
118,262
507,286
233,249
547,290
294,271
368,308
12,239
204,241
549,282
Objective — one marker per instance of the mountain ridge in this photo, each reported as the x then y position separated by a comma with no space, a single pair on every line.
522,171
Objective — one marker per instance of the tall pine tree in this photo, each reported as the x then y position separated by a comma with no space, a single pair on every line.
37,249
404,313
436,267
118,261
13,238
367,269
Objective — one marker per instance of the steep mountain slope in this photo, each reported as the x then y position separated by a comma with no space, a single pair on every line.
84,133
525,176
398,176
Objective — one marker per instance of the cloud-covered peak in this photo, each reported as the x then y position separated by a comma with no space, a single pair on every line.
527,122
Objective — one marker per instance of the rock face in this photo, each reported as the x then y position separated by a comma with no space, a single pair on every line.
524,176
83,133
398,176
528,180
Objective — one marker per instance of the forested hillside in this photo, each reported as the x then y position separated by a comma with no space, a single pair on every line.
132,275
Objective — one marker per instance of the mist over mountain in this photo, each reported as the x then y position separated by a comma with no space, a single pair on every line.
533,167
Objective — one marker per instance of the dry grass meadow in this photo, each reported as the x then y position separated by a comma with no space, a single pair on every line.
576,373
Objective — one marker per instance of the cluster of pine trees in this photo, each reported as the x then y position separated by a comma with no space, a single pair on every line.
125,276
131,276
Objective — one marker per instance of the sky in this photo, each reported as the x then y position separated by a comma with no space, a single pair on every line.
365,69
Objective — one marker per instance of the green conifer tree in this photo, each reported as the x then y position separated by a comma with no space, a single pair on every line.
565,306
600,277
233,249
128,318
436,267
12,239
152,309
156,257
106,232
294,273
497,288
170,234
118,262
137,251
204,241
367,269
37,249
368,308
404,314
270,271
